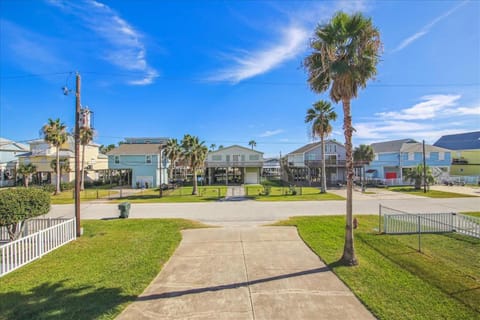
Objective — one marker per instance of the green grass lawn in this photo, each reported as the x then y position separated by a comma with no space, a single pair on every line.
393,279
67,197
182,194
94,277
429,193
284,194
475,214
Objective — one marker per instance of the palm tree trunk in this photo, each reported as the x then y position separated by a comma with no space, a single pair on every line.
171,168
82,178
195,186
57,187
348,257
25,180
324,176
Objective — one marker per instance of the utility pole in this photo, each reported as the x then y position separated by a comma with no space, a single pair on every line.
424,169
77,155
160,171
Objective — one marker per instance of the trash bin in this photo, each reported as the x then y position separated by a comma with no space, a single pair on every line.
124,208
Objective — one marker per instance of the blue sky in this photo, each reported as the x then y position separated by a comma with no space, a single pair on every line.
230,71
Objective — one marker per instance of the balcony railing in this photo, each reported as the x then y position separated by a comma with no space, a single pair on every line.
328,163
224,164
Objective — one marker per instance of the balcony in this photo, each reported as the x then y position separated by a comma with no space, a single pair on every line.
236,164
459,161
328,163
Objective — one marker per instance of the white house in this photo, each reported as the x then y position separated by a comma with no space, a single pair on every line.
234,165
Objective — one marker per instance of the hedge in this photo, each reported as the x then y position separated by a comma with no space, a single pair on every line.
19,204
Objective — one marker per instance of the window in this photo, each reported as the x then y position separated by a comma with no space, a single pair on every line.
117,159
236,157
441,156
254,157
217,157
228,157
411,156
148,159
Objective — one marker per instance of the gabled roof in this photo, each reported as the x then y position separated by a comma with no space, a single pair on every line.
313,145
390,146
418,147
235,146
135,149
9,145
461,141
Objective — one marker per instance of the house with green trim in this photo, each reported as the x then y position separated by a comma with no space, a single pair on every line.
140,162
465,152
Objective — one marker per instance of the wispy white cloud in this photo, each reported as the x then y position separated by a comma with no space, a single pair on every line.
270,133
429,108
123,46
426,29
258,61
434,116
289,43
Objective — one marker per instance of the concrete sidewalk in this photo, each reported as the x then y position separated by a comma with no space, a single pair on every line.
245,273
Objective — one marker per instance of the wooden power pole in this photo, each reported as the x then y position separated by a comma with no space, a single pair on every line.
77,155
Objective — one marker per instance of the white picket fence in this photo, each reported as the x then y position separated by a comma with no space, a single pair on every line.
17,253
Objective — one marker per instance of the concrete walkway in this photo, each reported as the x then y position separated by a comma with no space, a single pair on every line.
245,273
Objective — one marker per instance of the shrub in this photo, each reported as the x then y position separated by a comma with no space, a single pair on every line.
20,204
65,186
50,188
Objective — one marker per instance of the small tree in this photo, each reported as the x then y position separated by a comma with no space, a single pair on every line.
26,170
18,205
173,152
86,136
363,155
416,176
64,167
252,143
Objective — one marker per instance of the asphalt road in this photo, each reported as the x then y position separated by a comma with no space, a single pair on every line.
253,213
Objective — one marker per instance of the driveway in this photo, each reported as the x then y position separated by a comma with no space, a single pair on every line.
245,273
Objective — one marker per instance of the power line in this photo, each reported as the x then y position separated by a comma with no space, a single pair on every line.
245,82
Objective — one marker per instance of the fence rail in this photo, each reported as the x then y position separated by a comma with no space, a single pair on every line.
17,253
32,226
398,222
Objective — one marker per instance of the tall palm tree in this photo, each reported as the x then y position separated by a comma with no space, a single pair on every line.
213,146
55,134
363,154
173,152
345,56
252,143
320,116
86,136
194,151
26,170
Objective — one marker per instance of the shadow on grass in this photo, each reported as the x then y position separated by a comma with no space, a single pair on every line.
58,301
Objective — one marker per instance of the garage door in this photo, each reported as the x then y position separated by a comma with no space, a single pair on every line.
251,178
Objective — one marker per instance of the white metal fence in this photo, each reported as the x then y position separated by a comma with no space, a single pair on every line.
399,222
32,226
22,251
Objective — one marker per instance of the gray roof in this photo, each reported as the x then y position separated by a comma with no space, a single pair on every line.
135,149
235,146
313,145
461,141
9,145
390,146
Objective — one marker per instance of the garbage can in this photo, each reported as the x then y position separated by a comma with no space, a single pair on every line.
124,208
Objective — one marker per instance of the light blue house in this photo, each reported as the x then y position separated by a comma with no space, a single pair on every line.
8,160
141,162
393,158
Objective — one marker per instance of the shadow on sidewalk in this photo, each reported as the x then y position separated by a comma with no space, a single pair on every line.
230,286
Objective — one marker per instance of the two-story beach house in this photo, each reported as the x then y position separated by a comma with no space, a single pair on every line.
142,160
42,155
305,163
8,160
233,165
393,158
